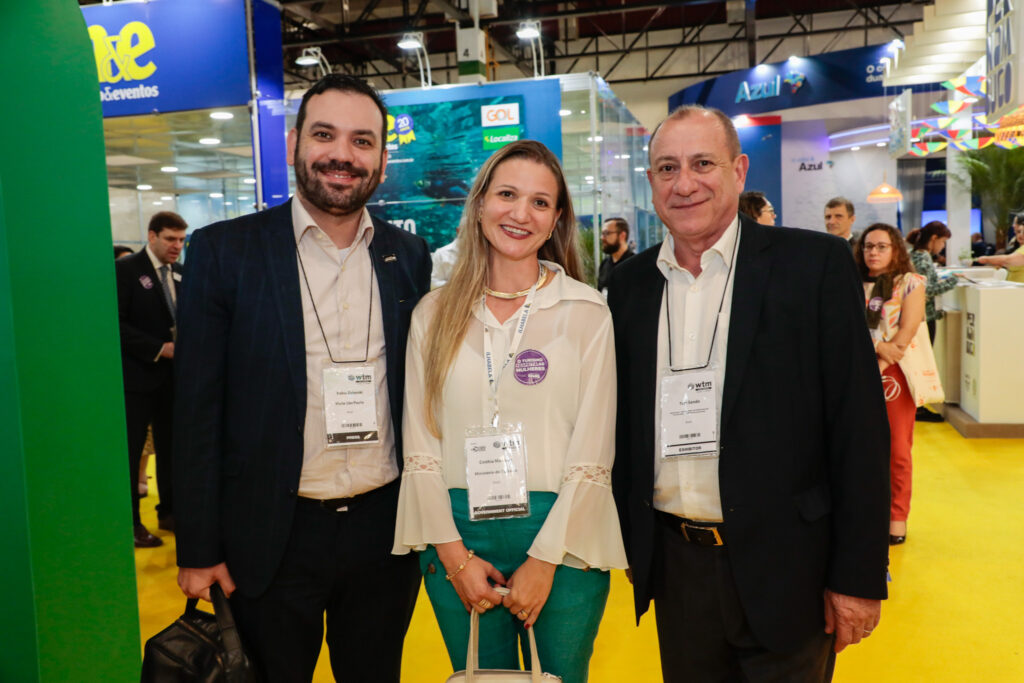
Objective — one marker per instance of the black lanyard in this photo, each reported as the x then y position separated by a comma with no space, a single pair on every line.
369,313
714,334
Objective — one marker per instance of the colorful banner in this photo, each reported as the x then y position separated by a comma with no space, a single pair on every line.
438,139
796,82
169,55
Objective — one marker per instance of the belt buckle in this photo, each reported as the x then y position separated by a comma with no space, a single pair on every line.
713,529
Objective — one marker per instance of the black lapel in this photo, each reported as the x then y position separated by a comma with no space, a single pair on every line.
279,248
753,265
645,307
384,256
157,290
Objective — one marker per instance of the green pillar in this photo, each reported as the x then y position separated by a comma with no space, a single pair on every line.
69,607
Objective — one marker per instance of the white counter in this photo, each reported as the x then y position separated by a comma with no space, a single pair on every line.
991,341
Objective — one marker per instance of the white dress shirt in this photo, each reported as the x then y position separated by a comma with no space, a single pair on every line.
341,281
568,421
443,262
171,275
688,487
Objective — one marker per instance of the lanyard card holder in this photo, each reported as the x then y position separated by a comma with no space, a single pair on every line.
496,472
350,405
689,413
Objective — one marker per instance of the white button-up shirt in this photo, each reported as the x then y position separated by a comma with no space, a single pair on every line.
688,487
341,281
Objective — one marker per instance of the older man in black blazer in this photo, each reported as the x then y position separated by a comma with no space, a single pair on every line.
147,292
751,470
291,360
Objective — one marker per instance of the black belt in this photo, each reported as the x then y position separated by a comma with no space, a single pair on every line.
698,533
349,504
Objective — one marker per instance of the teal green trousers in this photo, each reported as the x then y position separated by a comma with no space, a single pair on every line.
567,625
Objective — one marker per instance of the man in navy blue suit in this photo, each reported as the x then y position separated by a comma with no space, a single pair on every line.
290,366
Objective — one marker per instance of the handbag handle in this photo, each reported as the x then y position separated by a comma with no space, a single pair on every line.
472,654
234,655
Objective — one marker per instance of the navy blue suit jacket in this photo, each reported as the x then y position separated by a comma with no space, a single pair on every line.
804,460
145,323
241,384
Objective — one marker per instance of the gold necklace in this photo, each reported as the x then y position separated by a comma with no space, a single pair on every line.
522,292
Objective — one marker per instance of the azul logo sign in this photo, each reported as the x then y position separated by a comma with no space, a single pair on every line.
773,88
122,57
492,115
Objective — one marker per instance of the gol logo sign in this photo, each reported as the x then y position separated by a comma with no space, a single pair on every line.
499,114
117,57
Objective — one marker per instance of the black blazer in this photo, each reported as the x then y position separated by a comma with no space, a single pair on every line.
145,322
241,384
804,467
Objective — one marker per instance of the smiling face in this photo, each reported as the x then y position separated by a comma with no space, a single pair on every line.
338,155
695,182
519,209
877,252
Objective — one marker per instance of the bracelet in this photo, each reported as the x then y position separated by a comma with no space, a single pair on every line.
462,566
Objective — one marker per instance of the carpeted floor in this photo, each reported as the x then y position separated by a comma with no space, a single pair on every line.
954,612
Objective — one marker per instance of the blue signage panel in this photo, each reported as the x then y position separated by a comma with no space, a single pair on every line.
763,144
796,82
169,55
438,139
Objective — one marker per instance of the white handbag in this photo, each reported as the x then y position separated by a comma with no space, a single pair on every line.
472,674
918,365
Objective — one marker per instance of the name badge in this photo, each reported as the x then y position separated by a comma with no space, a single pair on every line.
496,472
350,406
689,415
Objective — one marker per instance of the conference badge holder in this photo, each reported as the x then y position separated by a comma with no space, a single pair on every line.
496,472
689,413
350,405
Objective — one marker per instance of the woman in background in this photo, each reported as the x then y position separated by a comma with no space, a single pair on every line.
894,303
757,206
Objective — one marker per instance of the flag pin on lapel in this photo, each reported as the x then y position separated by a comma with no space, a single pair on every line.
389,258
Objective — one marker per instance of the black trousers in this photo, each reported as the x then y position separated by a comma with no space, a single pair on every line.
142,409
338,563
703,634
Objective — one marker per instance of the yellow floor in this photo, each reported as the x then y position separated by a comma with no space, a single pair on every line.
955,606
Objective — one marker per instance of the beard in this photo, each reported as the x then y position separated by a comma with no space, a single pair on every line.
336,202
609,248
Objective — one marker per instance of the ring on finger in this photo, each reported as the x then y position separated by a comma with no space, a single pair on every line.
484,603
867,632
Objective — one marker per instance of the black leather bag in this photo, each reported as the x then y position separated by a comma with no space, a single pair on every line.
199,647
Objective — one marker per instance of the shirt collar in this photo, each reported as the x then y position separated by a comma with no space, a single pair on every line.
561,288
724,249
157,263
302,222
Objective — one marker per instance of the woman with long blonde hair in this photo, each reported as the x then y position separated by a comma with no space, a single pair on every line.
509,427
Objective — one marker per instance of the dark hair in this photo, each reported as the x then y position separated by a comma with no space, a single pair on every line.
841,201
166,219
752,203
120,250
620,224
732,138
920,238
884,283
349,84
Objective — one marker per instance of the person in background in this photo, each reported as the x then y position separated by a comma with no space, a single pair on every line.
121,250
1013,262
979,247
752,453
894,298
839,219
926,243
554,532
615,244
147,299
443,261
757,206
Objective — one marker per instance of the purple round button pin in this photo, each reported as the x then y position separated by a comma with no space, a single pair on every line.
531,367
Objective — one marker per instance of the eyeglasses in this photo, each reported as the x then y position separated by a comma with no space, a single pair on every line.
881,248
608,233
770,212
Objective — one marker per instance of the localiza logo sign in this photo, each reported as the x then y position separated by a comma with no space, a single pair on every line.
123,58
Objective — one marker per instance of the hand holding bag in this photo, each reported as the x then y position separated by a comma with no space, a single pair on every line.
473,674
199,647
918,366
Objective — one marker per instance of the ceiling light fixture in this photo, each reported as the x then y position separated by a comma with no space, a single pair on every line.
209,141
216,195
143,188
530,31
169,169
221,115
414,42
884,193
